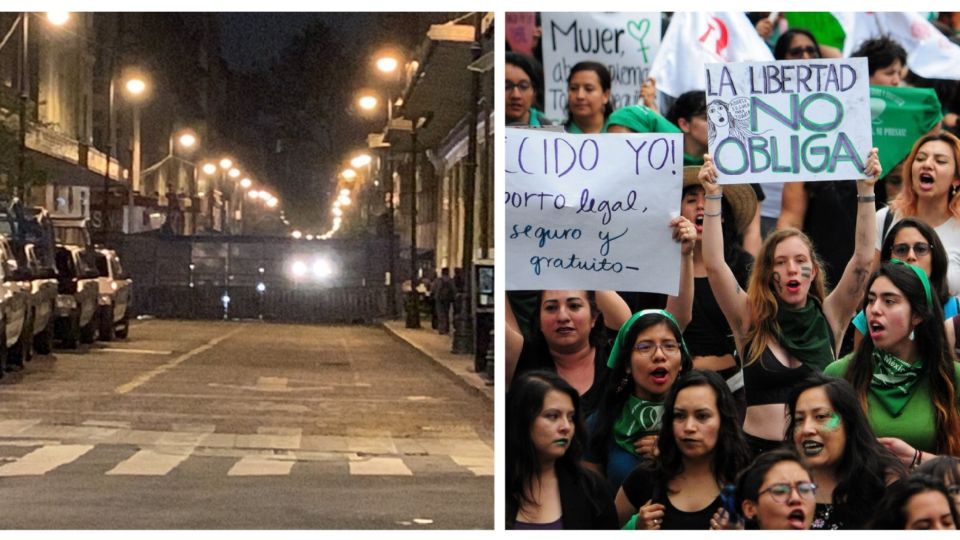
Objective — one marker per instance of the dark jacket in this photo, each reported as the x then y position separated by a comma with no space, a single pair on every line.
584,501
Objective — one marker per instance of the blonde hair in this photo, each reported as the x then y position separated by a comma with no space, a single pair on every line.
905,204
762,299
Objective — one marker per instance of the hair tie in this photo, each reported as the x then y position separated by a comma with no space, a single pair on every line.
923,279
622,334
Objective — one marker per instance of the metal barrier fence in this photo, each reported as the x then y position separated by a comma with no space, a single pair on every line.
190,277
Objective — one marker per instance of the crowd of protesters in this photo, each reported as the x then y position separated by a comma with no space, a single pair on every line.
805,376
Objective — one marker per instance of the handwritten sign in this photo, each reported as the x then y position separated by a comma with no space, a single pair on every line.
592,211
624,42
789,121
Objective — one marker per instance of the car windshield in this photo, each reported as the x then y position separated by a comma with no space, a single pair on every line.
71,236
102,265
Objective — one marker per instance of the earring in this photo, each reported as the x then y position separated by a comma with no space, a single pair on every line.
623,383
911,335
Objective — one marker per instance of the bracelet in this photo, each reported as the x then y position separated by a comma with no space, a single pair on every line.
866,198
712,215
712,197
916,459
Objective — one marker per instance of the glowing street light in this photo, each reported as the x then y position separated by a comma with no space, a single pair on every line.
187,140
387,64
272,203
349,174
344,192
337,211
360,161
209,168
226,163
253,194
234,173
296,234
246,183
344,200
58,18
368,102
136,86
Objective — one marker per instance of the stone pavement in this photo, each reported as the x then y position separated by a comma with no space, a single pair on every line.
437,348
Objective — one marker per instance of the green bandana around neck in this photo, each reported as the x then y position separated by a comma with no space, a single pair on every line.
638,417
893,380
805,334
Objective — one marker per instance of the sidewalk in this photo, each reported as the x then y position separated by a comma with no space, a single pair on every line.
436,347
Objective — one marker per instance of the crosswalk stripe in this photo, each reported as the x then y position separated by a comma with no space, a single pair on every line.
44,460
261,466
378,466
14,427
479,466
149,462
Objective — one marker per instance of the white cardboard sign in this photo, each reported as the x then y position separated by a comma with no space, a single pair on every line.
592,211
624,42
789,121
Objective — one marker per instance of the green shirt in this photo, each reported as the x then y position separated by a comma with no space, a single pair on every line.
572,127
916,424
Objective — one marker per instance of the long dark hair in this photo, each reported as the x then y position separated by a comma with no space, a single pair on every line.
730,455
931,342
597,334
620,384
938,255
865,465
783,44
524,403
605,83
945,468
892,510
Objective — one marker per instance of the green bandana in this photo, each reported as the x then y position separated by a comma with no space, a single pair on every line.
893,380
640,119
621,339
805,334
638,417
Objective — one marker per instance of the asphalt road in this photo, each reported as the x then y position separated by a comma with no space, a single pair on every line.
243,425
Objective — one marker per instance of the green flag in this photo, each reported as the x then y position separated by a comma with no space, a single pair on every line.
822,24
900,117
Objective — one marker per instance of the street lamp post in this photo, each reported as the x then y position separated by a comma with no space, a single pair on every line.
413,297
135,88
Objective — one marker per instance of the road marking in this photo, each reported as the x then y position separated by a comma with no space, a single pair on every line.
272,384
261,466
148,462
143,379
478,466
135,351
14,427
44,460
378,466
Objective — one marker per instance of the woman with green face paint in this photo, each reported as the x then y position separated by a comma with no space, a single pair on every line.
833,437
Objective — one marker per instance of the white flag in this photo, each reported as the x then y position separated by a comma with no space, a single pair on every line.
695,39
929,53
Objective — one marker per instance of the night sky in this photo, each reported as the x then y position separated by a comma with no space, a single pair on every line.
249,38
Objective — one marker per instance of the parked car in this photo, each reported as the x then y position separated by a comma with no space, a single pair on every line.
14,306
31,237
116,295
77,296
72,232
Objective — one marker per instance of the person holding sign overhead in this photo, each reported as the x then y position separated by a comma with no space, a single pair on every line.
785,325
588,98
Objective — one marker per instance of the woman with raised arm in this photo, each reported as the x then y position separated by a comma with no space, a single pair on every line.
785,325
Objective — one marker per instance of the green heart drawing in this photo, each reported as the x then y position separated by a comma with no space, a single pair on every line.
638,30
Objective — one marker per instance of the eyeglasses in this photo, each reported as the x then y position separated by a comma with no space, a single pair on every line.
523,86
646,348
809,49
781,492
919,249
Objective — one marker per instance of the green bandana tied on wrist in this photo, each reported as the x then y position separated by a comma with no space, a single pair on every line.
893,380
638,417
805,334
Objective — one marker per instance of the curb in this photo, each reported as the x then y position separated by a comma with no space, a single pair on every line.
468,381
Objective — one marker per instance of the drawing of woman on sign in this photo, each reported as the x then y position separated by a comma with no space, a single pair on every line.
728,120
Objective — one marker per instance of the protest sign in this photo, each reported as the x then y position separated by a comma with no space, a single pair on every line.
520,28
789,121
624,42
592,211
